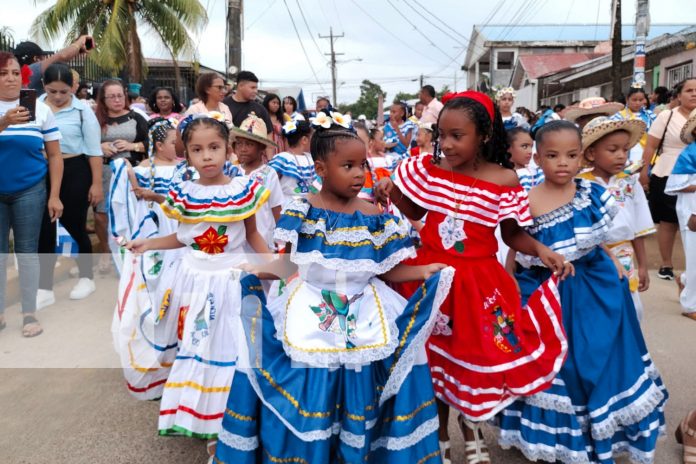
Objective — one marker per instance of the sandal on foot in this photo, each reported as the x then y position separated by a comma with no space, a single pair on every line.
684,432
691,316
444,449
476,449
29,326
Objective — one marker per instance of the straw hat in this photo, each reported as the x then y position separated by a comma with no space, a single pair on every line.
687,132
602,125
593,105
252,128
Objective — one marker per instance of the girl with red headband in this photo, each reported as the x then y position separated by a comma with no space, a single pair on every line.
486,349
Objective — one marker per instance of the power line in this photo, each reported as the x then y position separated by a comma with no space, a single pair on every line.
309,31
599,3
427,39
258,18
297,33
560,33
440,20
340,23
434,25
400,39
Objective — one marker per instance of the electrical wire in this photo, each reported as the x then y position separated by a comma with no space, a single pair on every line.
434,25
415,28
258,18
297,33
599,3
565,23
436,18
309,31
400,39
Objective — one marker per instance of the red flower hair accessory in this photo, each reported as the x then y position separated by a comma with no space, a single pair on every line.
26,75
482,98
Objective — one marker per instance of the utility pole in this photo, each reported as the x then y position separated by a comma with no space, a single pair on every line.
642,27
332,38
616,49
421,82
233,61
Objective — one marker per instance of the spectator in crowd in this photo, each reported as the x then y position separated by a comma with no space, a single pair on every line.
138,104
432,106
418,110
243,102
165,104
290,109
31,55
81,185
659,98
322,104
272,105
558,109
123,135
23,195
661,151
210,89
82,92
637,108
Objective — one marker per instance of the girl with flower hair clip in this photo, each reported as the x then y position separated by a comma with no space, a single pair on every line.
337,370
294,166
486,348
200,294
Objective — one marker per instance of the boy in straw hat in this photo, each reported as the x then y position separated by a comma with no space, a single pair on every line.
249,143
606,144
682,183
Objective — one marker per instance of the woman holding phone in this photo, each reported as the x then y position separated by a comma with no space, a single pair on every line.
23,187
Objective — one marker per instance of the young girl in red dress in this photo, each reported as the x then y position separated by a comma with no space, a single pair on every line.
486,349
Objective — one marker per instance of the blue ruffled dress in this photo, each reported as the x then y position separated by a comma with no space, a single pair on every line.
337,366
608,398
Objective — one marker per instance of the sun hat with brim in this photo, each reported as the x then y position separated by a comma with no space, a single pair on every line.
252,128
603,126
594,105
687,132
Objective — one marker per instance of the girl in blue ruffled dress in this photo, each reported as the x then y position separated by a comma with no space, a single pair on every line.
608,398
337,367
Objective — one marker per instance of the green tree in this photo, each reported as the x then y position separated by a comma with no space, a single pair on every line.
405,96
445,89
114,26
6,38
367,103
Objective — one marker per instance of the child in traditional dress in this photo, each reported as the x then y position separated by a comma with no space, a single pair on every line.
486,350
377,165
201,293
424,139
682,183
608,398
607,144
134,212
249,143
521,149
295,167
340,374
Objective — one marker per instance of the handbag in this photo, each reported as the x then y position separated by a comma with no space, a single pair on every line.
658,152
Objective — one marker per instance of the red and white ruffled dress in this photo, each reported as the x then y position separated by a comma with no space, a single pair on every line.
486,349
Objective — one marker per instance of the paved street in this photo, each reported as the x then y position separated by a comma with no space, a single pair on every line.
72,407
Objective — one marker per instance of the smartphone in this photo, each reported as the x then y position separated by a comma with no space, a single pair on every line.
89,43
27,99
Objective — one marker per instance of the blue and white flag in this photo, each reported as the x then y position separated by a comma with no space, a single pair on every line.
65,244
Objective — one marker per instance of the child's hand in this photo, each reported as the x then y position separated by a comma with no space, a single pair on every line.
556,263
137,246
692,223
619,267
430,269
383,190
643,279
144,194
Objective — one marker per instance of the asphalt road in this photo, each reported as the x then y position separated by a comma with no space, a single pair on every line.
63,400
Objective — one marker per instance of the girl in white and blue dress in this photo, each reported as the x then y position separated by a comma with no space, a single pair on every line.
295,167
337,366
200,294
608,398
134,211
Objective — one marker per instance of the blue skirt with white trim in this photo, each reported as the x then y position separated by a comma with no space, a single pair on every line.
608,398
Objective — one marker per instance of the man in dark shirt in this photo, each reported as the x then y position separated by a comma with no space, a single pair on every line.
243,102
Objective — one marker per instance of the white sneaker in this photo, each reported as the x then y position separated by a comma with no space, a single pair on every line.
44,298
83,289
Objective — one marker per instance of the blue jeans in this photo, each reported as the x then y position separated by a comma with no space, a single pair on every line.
22,212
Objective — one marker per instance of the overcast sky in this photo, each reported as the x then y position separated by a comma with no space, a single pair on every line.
379,32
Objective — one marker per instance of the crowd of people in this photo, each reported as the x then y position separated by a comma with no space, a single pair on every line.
312,288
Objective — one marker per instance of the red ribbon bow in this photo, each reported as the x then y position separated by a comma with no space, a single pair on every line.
482,98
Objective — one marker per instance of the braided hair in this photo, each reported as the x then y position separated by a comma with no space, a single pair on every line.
324,140
494,144
157,131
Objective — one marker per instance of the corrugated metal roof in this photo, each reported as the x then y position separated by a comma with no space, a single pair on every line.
567,32
541,65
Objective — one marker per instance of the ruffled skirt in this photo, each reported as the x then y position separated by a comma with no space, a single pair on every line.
608,398
382,411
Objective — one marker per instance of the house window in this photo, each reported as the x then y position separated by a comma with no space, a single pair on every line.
678,73
505,59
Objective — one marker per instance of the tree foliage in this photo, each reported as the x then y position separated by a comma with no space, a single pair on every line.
367,103
115,24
